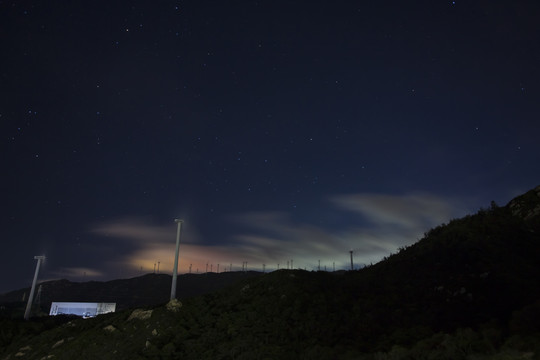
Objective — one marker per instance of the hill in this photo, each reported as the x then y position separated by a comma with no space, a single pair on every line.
149,289
468,289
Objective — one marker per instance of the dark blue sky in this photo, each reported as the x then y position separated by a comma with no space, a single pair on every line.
277,130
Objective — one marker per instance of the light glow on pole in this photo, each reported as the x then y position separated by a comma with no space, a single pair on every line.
175,268
31,297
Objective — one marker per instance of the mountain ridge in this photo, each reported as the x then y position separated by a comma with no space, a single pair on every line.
149,289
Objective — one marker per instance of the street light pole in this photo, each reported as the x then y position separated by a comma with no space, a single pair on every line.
175,269
31,298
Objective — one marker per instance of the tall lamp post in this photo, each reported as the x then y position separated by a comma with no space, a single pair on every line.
31,297
175,268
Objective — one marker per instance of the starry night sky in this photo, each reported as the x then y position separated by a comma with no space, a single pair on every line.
278,130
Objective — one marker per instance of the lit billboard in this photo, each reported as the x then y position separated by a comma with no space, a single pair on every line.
83,309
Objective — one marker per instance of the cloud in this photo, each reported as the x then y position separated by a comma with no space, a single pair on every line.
412,211
276,237
384,223
380,224
75,272
392,221
269,238
149,245
139,230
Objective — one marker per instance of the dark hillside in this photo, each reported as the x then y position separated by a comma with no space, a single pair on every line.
466,273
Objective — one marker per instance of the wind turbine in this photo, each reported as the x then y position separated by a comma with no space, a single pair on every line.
31,297
175,268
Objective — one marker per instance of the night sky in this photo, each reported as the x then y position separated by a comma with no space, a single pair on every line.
277,130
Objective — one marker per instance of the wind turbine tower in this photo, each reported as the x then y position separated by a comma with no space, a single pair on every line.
38,297
31,297
175,268
352,266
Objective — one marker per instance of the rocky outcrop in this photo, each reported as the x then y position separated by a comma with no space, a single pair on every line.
140,314
174,305
526,206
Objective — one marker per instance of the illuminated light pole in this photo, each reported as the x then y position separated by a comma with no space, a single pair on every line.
175,268
31,298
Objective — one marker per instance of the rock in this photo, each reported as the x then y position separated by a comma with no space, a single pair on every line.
154,332
526,206
174,305
140,314
58,343
109,328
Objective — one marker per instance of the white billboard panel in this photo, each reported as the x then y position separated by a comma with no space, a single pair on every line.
81,308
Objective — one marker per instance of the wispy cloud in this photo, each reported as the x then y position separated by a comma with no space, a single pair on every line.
275,237
140,230
408,211
306,244
147,244
384,223
75,273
